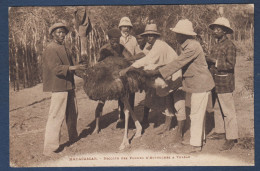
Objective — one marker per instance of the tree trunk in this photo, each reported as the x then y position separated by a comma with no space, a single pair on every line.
16,69
24,71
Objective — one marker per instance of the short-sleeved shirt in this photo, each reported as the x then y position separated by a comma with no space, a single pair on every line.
225,54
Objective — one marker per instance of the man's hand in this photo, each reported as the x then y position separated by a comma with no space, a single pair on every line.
212,60
152,73
78,67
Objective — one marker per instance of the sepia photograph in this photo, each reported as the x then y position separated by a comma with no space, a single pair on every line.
132,85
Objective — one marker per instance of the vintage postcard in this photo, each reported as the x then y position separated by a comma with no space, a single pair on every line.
133,85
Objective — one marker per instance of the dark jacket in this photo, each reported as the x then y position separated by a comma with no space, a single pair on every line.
223,72
56,74
196,76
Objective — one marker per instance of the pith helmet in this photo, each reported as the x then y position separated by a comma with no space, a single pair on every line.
184,27
222,22
125,21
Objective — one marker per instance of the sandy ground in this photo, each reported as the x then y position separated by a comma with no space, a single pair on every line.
29,112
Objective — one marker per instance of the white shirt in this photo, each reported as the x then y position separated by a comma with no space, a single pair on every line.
160,54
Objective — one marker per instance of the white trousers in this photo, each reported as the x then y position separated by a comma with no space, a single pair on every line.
197,116
63,105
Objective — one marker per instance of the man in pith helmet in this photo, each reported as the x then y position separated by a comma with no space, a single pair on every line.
196,80
223,59
130,43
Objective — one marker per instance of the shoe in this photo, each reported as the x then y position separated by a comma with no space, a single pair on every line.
189,149
49,153
228,145
217,136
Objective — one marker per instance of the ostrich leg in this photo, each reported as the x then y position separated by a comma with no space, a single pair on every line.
125,142
132,114
129,111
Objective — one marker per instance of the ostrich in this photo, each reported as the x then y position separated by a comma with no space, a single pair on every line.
102,82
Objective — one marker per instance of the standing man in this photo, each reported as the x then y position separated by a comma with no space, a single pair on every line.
197,80
223,58
58,78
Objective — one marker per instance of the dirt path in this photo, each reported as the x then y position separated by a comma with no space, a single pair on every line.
28,116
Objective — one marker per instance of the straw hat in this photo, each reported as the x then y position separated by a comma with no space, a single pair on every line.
58,25
221,21
184,27
125,21
151,29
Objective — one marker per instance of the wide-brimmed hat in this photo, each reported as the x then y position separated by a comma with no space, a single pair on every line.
221,21
125,21
184,26
58,25
150,29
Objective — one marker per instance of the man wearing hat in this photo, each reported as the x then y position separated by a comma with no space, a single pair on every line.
197,80
223,60
111,49
126,39
159,55
130,43
58,78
